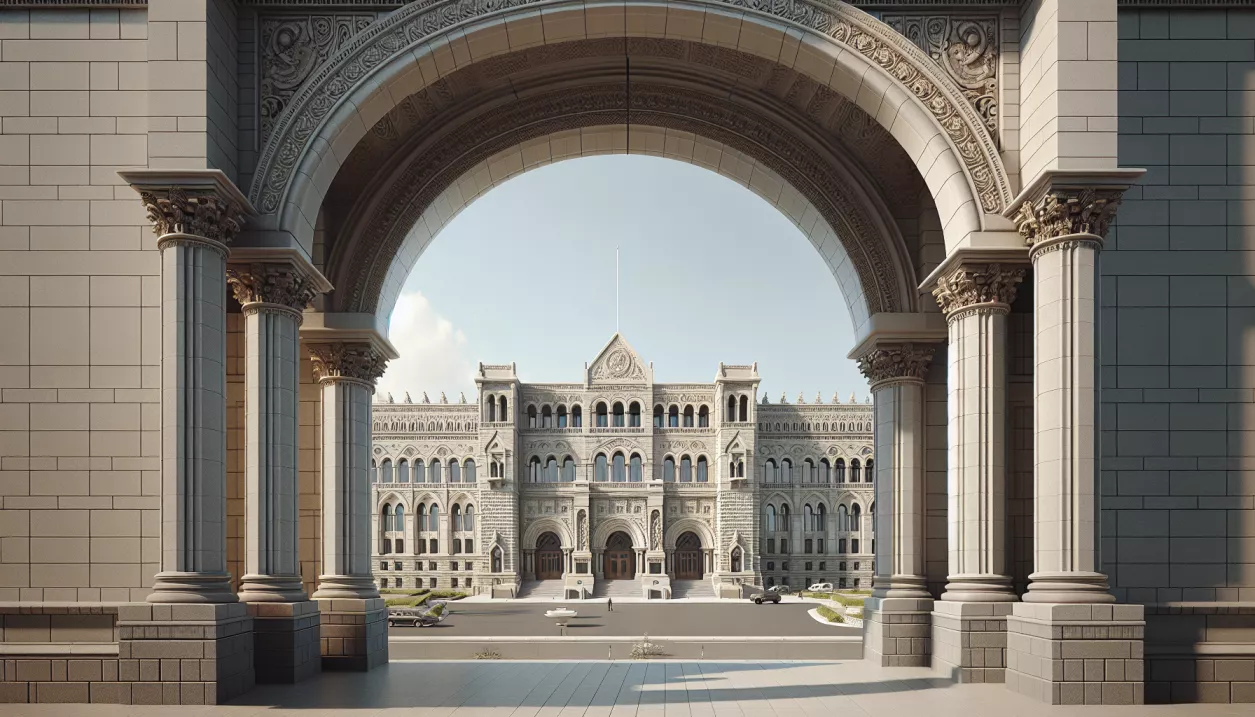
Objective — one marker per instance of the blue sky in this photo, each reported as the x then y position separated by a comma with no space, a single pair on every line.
710,272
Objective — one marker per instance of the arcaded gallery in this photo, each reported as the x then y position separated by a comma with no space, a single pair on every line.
1037,213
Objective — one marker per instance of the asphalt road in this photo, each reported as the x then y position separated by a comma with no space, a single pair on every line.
630,619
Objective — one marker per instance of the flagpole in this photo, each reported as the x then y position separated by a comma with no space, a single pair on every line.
616,289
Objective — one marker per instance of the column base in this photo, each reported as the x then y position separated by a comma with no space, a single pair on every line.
1074,654
1062,588
911,587
970,640
896,631
272,588
185,654
979,588
354,634
178,587
347,587
285,641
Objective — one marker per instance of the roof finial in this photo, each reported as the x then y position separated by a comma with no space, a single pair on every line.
819,398
442,398
462,396
853,398
390,398
836,397
765,401
425,399
800,398
407,397
783,398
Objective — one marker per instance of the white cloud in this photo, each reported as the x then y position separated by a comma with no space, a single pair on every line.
434,354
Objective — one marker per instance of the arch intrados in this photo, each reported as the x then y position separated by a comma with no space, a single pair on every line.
671,535
836,43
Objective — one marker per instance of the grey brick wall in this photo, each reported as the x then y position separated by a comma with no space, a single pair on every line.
1178,306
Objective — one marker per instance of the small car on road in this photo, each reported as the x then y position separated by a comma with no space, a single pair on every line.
820,588
780,589
766,596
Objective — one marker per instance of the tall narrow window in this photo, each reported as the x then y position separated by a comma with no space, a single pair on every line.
455,471
603,418
821,520
551,470
531,416
403,471
658,416
433,520
702,476
386,519
435,472
568,470
825,471
634,415
420,471
856,514
577,417
686,469
455,518
374,472
808,518
688,416
769,471
786,471
782,522
868,475
546,417
673,417
618,415
745,410
839,469
769,520
619,469
843,519
854,470
385,471
533,470
502,414
468,520
668,470
730,416
736,560
599,468
491,415
635,465
562,417
421,521
808,471
468,471
703,417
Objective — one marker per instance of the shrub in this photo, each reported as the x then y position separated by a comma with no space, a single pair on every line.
848,600
438,610
405,601
829,614
447,594
487,654
645,649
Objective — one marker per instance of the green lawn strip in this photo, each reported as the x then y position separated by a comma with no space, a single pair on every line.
829,614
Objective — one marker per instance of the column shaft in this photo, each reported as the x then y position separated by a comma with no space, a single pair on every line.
346,490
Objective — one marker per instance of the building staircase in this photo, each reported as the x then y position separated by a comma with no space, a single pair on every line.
617,589
691,589
542,590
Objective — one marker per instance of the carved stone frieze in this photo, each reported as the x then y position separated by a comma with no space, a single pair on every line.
202,214
269,283
360,362
896,362
291,48
1067,212
971,285
966,48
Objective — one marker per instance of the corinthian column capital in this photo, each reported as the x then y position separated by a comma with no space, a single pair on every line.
905,362
355,362
198,203
1067,212
282,285
977,286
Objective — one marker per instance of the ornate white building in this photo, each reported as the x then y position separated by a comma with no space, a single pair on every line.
619,485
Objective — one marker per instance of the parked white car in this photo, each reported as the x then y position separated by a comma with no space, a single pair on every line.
820,588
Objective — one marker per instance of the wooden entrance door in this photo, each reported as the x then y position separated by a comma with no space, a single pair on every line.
688,557
620,558
548,557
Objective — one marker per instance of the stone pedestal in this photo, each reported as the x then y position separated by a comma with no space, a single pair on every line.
1073,654
354,634
185,654
897,631
285,641
970,640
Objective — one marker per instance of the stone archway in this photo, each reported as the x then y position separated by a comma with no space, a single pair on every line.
619,557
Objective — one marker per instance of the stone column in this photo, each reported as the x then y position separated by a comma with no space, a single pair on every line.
969,629
286,623
195,215
354,633
1067,609
896,616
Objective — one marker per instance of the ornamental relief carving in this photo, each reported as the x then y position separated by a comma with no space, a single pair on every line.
405,28
972,285
280,284
360,362
618,365
906,361
201,214
966,48
1063,213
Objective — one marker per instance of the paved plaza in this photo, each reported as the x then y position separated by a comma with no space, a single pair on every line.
623,689
478,619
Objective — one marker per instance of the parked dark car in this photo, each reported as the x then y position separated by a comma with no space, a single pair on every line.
766,596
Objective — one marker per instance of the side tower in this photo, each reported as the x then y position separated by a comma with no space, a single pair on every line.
498,387
737,559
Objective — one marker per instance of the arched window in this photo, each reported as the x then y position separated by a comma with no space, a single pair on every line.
856,514
568,470
736,560
502,414
386,518
398,518
808,517
602,415
868,475
703,417
531,416
551,470
673,417
840,470
546,417
634,415
786,471
433,519
808,472
599,468
702,472
618,414
385,471
843,518
455,471
688,416
668,469
730,416
435,472
468,471
658,416
821,517
782,522
686,469
374,472
769,471
577,417
769,518
619,469
635,465
455,517
745,410
492,470
533,470
420,519
825,471
562,417
403,471
468,518
420,471
490,413
496,559
854,471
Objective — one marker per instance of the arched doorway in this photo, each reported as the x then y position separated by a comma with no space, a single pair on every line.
689,560
620,557
548,557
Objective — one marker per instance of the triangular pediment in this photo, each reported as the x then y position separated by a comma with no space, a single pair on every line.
618,363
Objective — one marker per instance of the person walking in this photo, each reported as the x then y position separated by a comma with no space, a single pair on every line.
609,605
